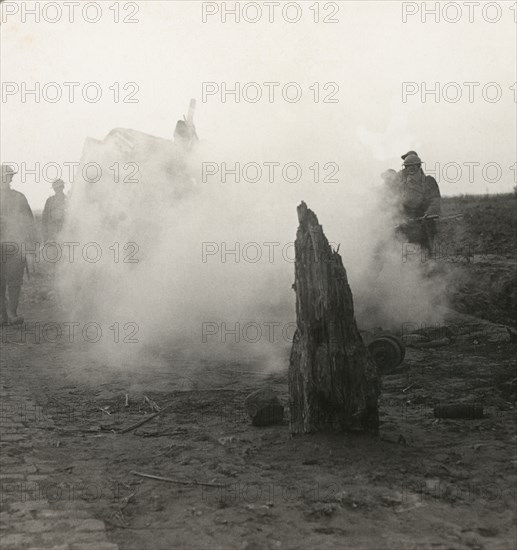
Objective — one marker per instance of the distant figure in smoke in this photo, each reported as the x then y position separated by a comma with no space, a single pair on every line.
390,180
53,216
185,135
418,199
17,235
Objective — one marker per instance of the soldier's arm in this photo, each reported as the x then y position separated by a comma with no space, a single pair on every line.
433,197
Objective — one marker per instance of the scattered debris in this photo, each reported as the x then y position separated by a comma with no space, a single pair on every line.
150,417
387,351
152,404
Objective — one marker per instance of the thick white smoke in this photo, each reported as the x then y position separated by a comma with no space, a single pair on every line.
207,266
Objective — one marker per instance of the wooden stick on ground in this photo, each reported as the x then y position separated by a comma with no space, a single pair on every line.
150,417
152,404
179,481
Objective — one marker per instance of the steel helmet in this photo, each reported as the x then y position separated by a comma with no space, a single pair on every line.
403,157
412,159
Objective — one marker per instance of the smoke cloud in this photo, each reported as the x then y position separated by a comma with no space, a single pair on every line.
205,266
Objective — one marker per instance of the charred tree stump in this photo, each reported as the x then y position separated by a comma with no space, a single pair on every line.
333,381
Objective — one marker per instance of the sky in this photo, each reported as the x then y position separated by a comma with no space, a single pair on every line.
363,62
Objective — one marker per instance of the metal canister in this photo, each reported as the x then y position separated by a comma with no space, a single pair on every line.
469,411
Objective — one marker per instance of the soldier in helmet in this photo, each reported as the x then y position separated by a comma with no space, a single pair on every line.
17,235
418,198
54,212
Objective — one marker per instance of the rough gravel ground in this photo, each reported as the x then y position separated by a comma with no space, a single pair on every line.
423,483
67,476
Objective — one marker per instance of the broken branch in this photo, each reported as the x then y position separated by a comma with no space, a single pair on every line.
150,417
179,481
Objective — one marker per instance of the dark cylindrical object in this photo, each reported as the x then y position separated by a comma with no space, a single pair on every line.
399,343
387,353
469,411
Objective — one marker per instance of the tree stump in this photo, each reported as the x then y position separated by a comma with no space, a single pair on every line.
333,381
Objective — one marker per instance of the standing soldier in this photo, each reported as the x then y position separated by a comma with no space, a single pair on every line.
418,198
17,235
53,216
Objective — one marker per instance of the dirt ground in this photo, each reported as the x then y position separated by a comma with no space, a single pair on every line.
423,483
481,252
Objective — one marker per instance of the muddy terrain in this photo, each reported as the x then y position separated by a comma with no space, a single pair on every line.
423,483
